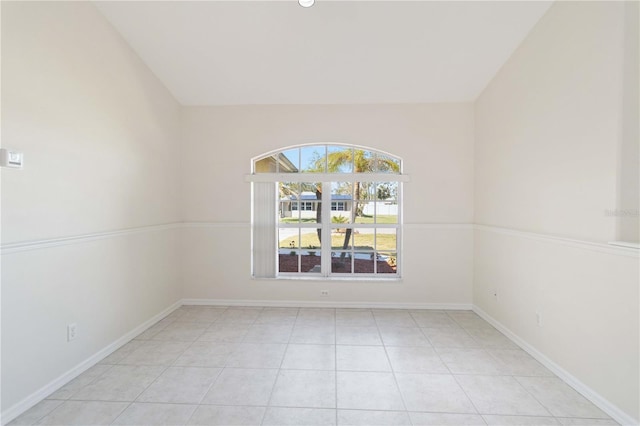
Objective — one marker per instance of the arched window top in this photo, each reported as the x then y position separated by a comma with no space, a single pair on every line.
327,158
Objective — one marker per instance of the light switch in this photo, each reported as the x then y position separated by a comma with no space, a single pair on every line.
13,159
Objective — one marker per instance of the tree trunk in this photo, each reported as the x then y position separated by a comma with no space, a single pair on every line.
354,213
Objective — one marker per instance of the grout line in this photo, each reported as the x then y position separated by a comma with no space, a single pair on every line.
393,373
284,355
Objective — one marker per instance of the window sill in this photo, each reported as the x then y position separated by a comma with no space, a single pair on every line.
325,279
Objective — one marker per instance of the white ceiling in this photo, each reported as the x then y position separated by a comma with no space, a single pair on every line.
336,52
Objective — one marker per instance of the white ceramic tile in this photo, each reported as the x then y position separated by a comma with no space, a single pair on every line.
470,361
354,318
224,332
238,386
491,338
393,318
519,363
155,414
151,331
403,336
240,315
277,316
310,357
450,338
257,355
358,336
259,333
500,395
35,413
304,388
586,422
206,354
276,416
409,359
373,418
442,419
180,385
177,314
433,319
560,399
182,331
84,413
202,314
493,420
316,317
119,383
318,334
468,319
122,353
362,358
368,391
155,353
79,382
434,393
211,415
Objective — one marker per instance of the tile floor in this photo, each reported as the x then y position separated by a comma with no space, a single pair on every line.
289,366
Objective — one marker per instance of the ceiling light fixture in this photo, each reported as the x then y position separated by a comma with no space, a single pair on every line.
306,3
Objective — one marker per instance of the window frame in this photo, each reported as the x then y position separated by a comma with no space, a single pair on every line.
327,180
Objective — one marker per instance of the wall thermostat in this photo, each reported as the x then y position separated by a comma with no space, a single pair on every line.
13,159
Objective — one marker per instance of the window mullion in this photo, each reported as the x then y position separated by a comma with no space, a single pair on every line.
326,229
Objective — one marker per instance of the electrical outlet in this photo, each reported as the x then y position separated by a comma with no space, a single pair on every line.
324,293
72,332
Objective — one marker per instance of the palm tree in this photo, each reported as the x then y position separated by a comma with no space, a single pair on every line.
363,162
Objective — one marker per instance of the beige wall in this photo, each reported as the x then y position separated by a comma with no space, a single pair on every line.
99,133
629,155
436,144
548,135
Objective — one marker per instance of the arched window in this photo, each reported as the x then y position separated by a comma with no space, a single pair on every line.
327,210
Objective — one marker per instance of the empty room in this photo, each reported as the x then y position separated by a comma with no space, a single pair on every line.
320,213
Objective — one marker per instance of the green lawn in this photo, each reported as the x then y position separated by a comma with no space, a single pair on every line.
386,242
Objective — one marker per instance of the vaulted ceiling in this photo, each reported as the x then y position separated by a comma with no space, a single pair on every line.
336,52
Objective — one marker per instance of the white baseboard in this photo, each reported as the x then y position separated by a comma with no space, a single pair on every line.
327,304
17,409
598,400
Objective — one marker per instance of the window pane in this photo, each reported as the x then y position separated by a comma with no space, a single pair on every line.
387,212
363,161
387,263
386,164
341,262
288,211
387,191
341,238
309,239
365,190
386,239
365,212
313,159
289,161
364,239
266,164
288,261
288,238
363,262
311,255
341,202
340,159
